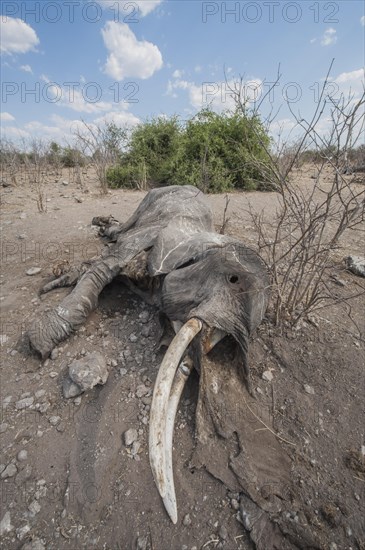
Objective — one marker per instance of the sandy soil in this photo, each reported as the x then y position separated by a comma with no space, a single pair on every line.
69,482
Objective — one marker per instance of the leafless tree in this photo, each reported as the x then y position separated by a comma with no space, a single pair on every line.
102,144
300,243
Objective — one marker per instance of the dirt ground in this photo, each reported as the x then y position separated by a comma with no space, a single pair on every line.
67,479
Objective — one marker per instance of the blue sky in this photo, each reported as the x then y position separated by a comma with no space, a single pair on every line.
127,61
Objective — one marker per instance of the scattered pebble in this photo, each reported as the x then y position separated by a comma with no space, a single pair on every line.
87,372
5,524
33,271
54,354
3,339
35,544
22,531
9,471
308,389
54,420
141,390
187,520
144,317
267,375
24,403
223,533
70,389
22,455
133,338
3,427
235,504
34,507
130,436
356,265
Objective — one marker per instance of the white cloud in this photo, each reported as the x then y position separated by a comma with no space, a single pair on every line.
129,57
217,95
313,40
177,73
12,132
329,37
45,78
26,68
6,117
126,9
352,76
197,68
362,20
120,118
16,36
348,84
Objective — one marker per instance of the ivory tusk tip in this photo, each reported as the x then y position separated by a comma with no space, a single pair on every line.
171,508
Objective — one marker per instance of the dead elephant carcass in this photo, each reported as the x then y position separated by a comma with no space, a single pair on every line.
209,286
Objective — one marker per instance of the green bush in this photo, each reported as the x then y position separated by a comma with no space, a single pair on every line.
215,152
125,176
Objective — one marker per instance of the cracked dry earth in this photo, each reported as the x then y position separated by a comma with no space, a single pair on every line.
68,479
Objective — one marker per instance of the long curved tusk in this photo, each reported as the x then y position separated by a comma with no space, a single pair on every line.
160,399
181,377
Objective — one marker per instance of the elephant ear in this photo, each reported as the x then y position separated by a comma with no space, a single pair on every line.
235,444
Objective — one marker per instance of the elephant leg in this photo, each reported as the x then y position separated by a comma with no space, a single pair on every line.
56,325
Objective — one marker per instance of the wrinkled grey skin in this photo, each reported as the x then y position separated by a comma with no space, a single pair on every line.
169,253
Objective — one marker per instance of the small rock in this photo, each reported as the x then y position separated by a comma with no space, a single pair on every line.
130,436
65,182
142,543
5,524
35,544
54,354
187,520
223,533
146,330
133,338
89,371
267,375
135,448
54,420
70,389
23,475
40,393
141,390
22,531
24,403
356,265
144,317
23,216
333,546
77,401
33,271
34,507
6,401
122,372
3,427
22,455
114,363
308,389
235,504
9,471
3,339
53,374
